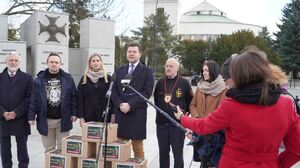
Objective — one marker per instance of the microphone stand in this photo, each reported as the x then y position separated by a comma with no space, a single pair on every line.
104,129
175,123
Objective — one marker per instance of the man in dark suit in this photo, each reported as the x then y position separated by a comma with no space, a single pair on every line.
15,88
131,110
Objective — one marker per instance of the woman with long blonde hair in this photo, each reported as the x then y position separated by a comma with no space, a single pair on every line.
92,89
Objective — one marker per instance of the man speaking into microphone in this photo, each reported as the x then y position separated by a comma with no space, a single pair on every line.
130,109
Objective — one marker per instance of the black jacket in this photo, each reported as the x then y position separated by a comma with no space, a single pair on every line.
132,125
181,95
15,96
91,101
38,102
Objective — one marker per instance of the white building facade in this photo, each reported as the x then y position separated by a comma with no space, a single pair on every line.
203,22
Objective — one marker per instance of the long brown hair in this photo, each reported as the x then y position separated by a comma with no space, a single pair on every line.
88,68
251,67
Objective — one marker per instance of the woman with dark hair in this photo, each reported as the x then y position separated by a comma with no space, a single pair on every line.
255,116
91,91
210,92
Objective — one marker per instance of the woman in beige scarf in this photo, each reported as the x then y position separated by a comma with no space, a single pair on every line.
211,90
92,89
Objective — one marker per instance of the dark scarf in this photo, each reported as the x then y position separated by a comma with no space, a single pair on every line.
250,94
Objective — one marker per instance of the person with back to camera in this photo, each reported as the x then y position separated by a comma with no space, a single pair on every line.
225,71
255,116
92,89
210,92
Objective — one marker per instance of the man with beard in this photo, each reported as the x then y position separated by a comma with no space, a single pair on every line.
53,101
15,89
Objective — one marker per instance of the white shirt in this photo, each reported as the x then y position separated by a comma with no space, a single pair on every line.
135,64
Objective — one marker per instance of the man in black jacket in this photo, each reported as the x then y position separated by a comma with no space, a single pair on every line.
131,110
53,103
15,89
171,89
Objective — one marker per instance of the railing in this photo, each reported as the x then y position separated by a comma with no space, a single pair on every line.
294,83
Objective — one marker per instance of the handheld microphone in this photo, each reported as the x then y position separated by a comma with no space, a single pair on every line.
174,107
113,78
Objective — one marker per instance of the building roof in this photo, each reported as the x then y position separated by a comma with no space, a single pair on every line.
206,12
205,6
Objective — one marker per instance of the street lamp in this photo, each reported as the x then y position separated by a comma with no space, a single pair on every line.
154,41
206,54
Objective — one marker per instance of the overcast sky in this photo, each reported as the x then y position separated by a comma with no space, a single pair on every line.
258,12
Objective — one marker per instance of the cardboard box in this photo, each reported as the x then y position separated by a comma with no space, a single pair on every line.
73,146
55,159
91,163
116,151
91,132
131,163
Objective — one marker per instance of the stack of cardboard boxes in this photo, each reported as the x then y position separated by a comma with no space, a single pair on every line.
81,151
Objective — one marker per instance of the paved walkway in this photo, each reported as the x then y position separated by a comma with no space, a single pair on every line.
151,148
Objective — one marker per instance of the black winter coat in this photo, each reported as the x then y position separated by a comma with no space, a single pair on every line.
132,125
15,96
91,99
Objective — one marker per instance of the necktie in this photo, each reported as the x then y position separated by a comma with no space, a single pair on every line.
131,68
12,75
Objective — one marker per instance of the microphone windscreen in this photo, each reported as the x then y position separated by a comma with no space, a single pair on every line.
126,79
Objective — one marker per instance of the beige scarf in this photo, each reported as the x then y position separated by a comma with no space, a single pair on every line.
94,76
212,88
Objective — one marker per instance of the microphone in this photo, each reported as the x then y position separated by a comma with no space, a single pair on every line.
126,80
113,78
174,107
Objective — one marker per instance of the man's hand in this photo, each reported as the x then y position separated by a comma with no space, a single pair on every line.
189,134
179,113
73,118
31,122
82,121
5,114
9,115
125,107
113,118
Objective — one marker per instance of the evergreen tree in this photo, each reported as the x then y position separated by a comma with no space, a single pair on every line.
164,39
266,35
287,41
192,54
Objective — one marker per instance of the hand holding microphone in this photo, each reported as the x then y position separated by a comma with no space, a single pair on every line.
179,113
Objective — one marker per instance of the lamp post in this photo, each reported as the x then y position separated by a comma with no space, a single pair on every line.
206,54
154,41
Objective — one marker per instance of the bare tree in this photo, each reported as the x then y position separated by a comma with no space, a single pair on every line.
77,10
97,8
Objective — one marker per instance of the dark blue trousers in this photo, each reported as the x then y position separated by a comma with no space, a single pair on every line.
169,135
22,152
